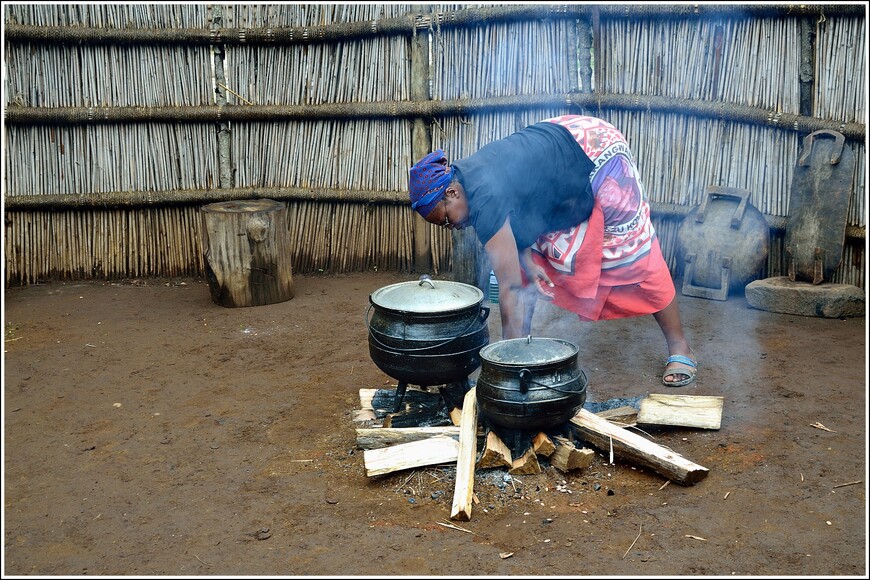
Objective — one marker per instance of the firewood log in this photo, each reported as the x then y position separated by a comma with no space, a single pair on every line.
463,495
602,434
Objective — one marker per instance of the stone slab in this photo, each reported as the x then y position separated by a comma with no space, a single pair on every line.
780,294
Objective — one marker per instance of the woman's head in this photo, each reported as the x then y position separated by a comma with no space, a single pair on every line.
427,182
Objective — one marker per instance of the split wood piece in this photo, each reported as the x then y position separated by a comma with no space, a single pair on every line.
625,416
456,415
527,464
463,495
422,417
420,409
543,445
413,400
365,412
362,415
378,437
365,398
383,399
602,434
566,457
431,451
495,453
681,410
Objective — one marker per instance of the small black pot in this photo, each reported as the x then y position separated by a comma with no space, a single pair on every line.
530,384
427,332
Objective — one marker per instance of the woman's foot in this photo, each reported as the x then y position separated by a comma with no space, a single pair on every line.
680,370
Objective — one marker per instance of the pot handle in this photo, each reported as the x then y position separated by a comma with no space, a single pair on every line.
484,313
422,348
526,378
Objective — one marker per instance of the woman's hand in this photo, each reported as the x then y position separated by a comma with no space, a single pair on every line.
536,274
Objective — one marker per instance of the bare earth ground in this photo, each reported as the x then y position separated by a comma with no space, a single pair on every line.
149,431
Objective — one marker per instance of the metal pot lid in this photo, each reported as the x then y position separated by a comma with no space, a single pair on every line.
528,351
427,296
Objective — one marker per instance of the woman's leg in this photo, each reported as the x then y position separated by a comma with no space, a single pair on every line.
672,327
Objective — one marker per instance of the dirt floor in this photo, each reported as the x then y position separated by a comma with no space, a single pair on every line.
149,431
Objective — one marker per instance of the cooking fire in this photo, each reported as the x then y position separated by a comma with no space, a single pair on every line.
526,403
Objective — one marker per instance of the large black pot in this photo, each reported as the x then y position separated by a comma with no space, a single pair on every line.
427,332
530,384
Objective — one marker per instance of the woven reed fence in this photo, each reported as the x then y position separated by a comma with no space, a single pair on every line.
121,121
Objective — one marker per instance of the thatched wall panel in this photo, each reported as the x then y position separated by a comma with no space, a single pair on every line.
108,76
840,73
280,15
745,62
102,158
841,91
115,15
102,244
358,154
731,57
517,58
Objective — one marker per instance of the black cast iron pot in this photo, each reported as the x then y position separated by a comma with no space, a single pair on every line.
530,384
427,332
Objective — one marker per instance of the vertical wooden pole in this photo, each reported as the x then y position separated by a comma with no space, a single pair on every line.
807,66
584,54
573,59
225,162
421,138
596,49
470,263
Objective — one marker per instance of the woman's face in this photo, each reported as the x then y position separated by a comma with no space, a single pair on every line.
452,211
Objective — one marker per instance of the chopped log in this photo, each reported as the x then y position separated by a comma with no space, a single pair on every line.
681,411
495,453
365,398
247,252
527,464
361,415
463,495
543,445
625,416
413,400
566,457
456,416
602,433
384,436
419,409
426,417
432,451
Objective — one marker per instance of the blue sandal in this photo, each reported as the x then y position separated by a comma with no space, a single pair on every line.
689,372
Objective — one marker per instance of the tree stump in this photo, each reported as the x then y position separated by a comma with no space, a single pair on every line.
247,252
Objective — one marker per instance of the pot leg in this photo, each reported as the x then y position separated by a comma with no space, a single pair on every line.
453,394
400,395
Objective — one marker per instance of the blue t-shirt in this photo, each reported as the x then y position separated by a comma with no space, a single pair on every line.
539,176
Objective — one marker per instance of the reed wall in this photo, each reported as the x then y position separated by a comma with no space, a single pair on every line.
121,121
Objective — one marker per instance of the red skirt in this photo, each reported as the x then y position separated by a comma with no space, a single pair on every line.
572,259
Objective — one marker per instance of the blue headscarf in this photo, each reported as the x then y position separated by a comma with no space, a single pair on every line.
428,180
